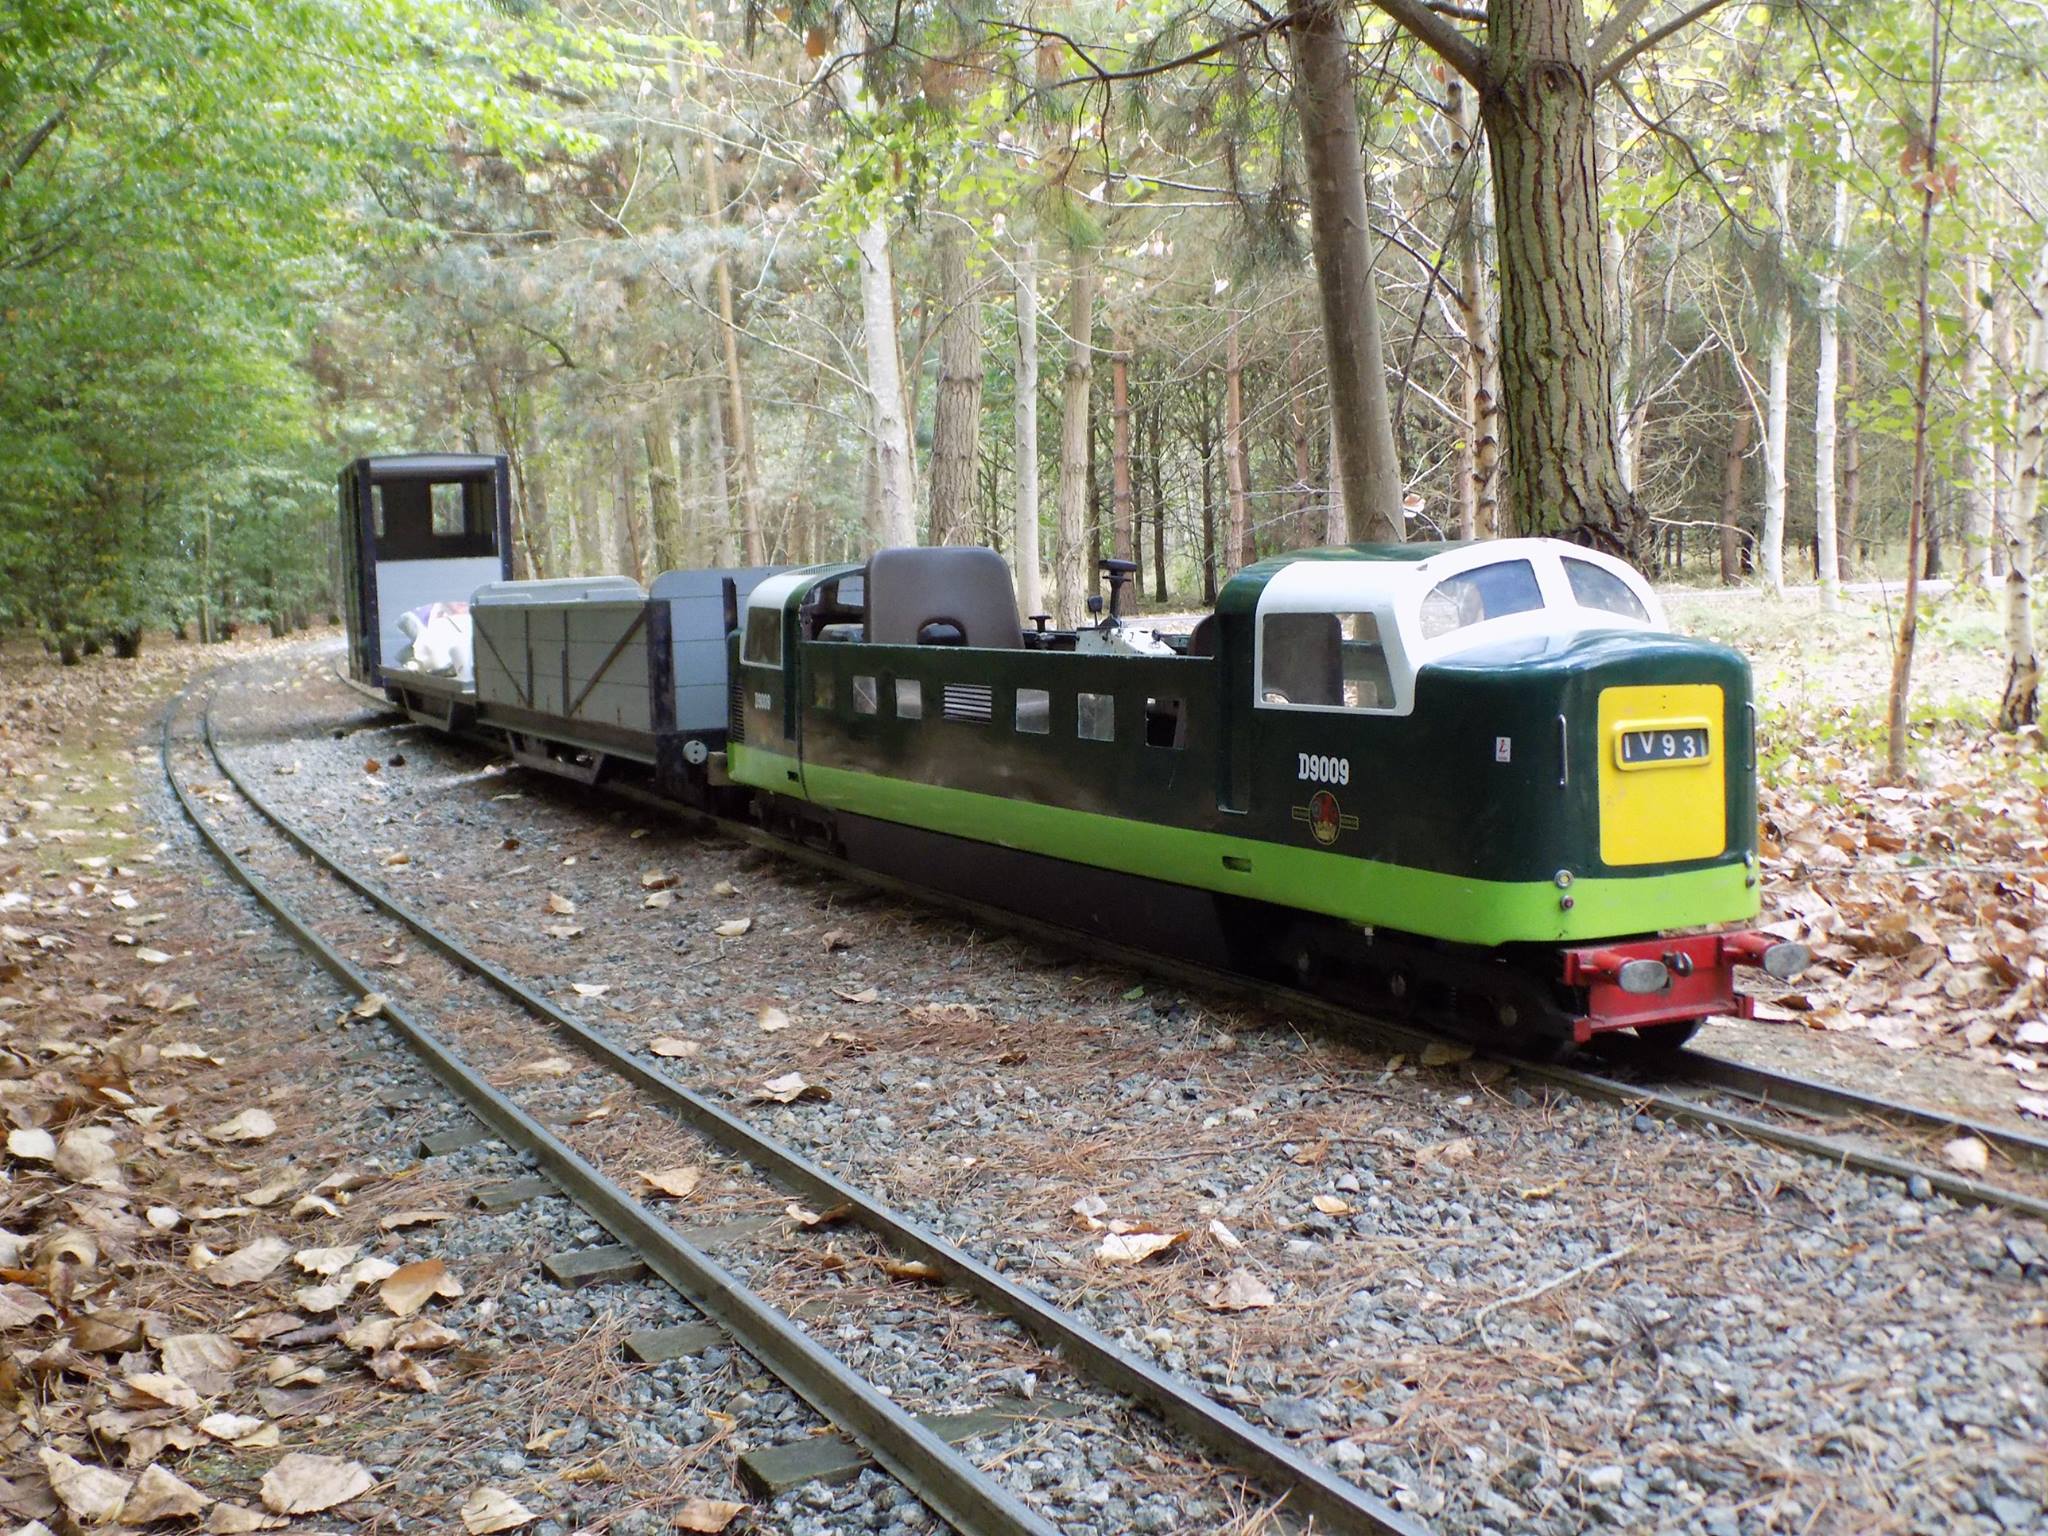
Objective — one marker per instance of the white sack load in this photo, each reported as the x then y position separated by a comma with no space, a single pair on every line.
441,644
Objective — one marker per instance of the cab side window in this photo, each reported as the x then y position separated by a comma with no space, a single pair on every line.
1596,587
1324,661
763,645
1472,597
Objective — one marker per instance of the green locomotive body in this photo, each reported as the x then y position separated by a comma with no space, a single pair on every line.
1483,767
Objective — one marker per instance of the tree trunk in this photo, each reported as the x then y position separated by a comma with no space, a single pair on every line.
1336,528
1731,498
628,551
1156,473
2019,704
1564,472
1973,438
1478,451
1238,531
664,493
1070,570
2005,365
896,514
593,557
1777,396
1207,444
741,435
1827,556
956,418
1340,233
1909,616
1123,512
1304,462
1030,583
1852,459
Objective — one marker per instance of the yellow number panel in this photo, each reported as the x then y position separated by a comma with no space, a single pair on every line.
1679,810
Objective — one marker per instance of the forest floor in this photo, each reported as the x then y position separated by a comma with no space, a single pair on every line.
124,984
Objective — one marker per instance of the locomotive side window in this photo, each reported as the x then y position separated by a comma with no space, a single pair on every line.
822,690
864,698
909,699
1096,716
1324,661
763,647
1034,711
1472,597
1594,587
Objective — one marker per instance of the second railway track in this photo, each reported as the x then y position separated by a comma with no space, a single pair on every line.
1237,1463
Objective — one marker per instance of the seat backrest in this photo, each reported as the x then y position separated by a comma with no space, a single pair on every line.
909,590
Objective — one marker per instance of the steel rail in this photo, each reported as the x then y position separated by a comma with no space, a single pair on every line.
1310,1489
1767,1085
1713,1072
955,1490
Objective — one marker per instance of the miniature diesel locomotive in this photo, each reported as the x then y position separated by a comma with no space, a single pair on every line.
1480,782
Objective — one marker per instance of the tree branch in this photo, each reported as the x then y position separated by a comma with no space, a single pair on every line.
1610,35
1650,39
1440,37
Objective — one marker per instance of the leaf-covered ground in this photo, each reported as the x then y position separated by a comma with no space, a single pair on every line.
1925,903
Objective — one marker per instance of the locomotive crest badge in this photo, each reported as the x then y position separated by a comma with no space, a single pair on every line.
1325,817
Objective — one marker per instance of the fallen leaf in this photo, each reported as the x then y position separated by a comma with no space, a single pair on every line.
732,928
564,930
397,860
1967,1154
226,1519
590,988
492,1509
163,1387
1224,1235
32,1145
1136,1247
1331,1205
659,900
1091,1209
303,1484
206,1360
2033,1104
20,1306
1445,1053
92,1495
160,1496
788,1088
369,1005
561,905
1239,1291
251,1262
677,1183
152,957
371,765
85,1155
837,938
725,888
326,1261
1311,1154
864,995
185,1050
911,1269
772,1020
673,1046
655,880
408,1289
803,1216
401,1370
549,1066
399,1220
706,1515
230,1427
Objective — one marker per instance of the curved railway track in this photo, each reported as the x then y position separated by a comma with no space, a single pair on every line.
963,1495
1827,1121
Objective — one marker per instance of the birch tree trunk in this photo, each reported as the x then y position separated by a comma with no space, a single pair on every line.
1237,533
896,513
1852,459
1340,233
2005,366
2020,703
1336,528
1070,552
1030,583
741,436
1777,391
1478,453
1973,439
1827,557
956,417
1123,512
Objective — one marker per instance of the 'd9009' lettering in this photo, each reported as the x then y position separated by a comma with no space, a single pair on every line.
1323,770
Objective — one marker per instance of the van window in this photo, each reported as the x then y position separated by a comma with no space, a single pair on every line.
764,637
1597,587
1472,597
1324,661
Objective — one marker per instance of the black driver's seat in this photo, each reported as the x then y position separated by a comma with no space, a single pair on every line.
942,596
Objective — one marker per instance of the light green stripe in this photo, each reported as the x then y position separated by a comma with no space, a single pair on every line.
1422,901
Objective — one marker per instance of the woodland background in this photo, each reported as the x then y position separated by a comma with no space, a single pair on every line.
739,283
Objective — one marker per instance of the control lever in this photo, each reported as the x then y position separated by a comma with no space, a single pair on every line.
1119,573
